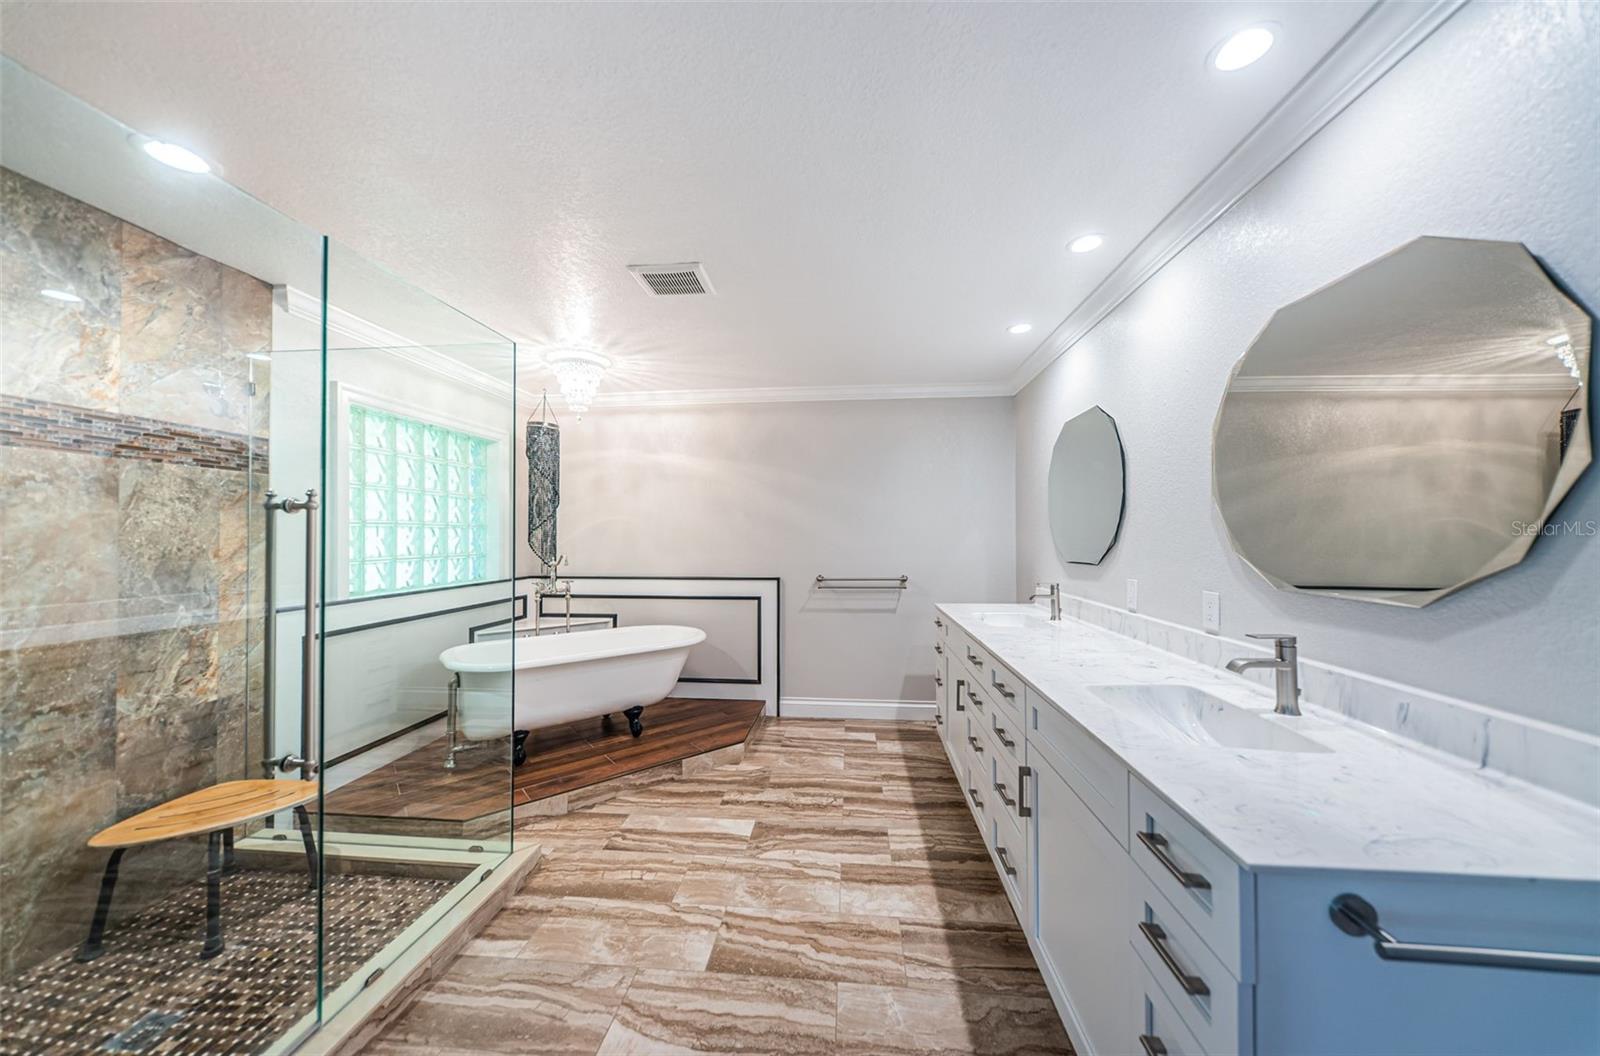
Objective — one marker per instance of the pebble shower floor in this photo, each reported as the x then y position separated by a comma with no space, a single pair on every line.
151,975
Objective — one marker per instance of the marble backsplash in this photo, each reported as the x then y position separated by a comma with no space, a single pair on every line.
131,449
1563,761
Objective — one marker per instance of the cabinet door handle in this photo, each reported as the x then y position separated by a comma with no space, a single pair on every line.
974,742
1157,937
973,659
1005,860
1156,844
1152,1045
1023,810
959,685
1000,732
1004,692
975,800
1007,800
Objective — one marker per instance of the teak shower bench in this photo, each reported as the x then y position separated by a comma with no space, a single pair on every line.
214,811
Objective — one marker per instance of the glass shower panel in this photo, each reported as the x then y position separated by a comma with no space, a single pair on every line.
138,313
420,411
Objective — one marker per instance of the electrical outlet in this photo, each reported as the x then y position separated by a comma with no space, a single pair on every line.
1133,595
1211,611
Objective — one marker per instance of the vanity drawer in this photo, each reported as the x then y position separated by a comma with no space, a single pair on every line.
973,788
978,701
1203,885
1157,1029
1006,688
1098,776
1005,732
1210,1002
1009,846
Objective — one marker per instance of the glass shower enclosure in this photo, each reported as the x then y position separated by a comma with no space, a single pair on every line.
251,487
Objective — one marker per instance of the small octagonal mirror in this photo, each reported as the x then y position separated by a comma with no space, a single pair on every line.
1086,487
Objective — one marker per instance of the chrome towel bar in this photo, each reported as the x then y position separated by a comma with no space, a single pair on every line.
1354,915
862,582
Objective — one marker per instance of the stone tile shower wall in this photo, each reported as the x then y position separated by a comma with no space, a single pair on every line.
129,666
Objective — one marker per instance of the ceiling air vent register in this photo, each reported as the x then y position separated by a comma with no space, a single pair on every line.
672,280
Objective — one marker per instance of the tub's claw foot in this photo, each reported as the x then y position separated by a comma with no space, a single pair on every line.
635,725
519,747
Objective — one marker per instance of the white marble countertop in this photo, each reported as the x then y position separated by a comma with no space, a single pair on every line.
1373,802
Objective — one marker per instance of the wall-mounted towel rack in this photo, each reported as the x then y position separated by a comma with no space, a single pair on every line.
1354,915
862,582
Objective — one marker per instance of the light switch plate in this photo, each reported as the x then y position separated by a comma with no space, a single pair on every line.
1133,595
1211,611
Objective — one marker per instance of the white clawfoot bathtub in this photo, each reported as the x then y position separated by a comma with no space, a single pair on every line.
519,685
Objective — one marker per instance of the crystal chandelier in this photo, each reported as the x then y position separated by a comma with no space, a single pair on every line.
579,373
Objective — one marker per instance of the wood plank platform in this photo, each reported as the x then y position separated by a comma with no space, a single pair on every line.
561,759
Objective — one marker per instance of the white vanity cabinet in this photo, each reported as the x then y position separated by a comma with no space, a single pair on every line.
1155,941
1079,928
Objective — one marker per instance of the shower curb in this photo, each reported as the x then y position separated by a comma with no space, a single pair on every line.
427,957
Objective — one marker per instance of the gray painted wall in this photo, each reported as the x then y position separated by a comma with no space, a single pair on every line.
921,487
1491,129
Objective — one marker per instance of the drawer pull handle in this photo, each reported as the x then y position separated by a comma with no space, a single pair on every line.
1004,692
938,719
1157,845
1005,860
972,658
1000,732
974,742
937,622
938,648
1152,1045
1356,916
937,680
1007,800
974,698
975,800
1023,810
1157,937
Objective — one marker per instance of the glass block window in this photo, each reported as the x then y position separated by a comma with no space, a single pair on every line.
419,504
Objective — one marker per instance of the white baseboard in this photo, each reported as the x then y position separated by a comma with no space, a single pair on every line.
881,710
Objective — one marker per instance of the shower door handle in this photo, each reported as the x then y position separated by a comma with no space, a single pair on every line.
306,762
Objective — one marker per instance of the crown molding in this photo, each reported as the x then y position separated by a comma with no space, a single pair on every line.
1385,35
1550,383
797,394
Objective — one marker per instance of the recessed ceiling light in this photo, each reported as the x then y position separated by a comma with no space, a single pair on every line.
1243,48
181,158
1086,243
62,295
1019,328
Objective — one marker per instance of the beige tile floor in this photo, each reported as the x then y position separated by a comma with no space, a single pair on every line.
830,894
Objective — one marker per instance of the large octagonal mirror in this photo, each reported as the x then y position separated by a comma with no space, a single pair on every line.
1086,487
1406,430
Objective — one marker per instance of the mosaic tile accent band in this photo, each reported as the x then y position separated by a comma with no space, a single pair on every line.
63,427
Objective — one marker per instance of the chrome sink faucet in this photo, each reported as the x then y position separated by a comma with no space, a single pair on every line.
1285,664
1054,594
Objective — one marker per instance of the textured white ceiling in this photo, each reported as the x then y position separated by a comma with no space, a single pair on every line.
877,191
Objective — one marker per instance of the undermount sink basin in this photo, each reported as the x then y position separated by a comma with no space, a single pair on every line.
1006,619
1205,719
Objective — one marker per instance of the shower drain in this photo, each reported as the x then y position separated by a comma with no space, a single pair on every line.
143,1033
